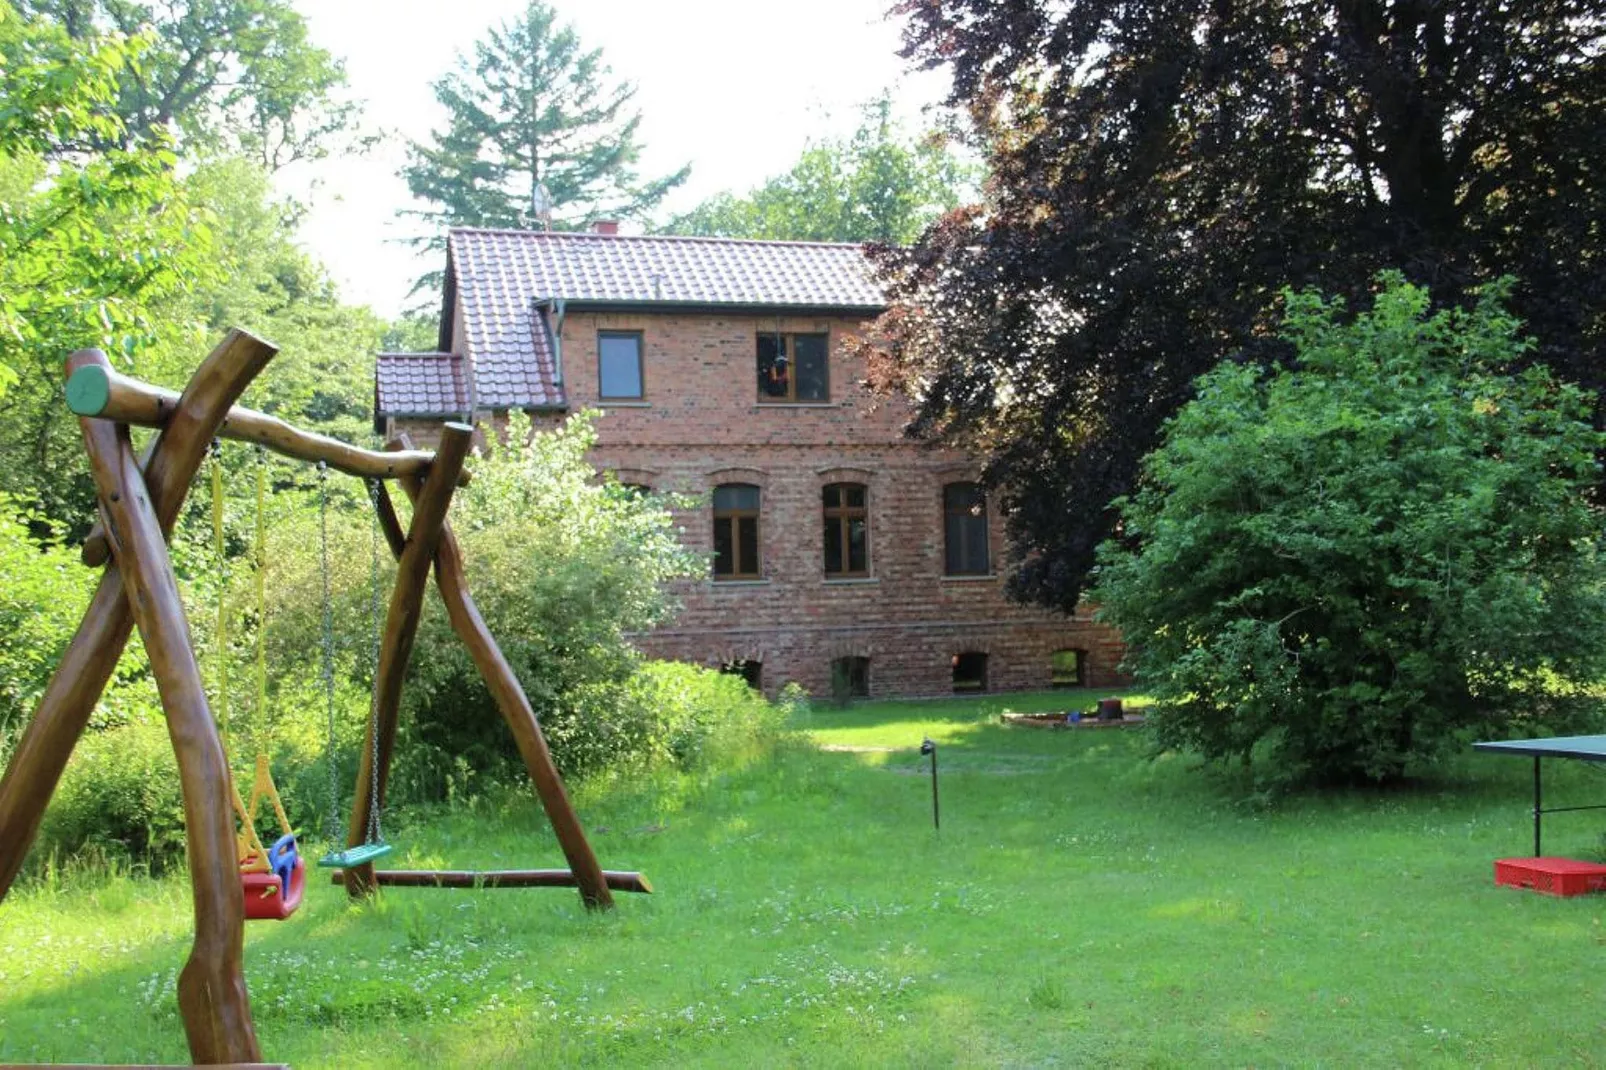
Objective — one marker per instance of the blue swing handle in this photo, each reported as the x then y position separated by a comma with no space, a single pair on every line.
282,859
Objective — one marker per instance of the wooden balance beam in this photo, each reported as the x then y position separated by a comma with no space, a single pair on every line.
618,880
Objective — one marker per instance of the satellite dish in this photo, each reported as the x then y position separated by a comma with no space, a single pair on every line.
541,205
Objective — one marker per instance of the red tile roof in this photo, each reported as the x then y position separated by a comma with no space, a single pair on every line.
507,280
510,267
420,384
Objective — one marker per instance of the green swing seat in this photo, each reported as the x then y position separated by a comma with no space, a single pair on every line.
354,856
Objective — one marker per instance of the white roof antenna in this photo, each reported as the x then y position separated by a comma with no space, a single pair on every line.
541,205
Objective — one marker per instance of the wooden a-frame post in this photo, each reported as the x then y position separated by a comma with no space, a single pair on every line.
396,645
139,501
506,692
212,995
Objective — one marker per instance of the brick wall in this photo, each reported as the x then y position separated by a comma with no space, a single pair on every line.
699,425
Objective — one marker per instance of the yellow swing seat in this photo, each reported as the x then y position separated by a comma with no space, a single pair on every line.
272,878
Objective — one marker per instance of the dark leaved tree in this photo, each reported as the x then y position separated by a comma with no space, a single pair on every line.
1159,170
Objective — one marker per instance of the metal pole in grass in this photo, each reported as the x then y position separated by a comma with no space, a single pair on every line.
928,747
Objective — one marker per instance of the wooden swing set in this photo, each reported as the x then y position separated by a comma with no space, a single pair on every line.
140,499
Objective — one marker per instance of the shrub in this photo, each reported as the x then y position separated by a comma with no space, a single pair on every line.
42,598
1340,566
703,718
563,567
119,797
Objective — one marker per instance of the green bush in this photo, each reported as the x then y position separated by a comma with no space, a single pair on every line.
666,715
703,718
563,567
119,797
1332,571
42,597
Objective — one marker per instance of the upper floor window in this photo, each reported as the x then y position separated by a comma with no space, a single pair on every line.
619,365
736,532
847,535
792,367
964,515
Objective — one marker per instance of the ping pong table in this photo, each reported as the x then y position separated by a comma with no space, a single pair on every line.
1583,748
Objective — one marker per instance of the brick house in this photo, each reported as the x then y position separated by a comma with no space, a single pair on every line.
838,548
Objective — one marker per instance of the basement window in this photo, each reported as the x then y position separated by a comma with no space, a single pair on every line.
970,671
1068,668
749,670
850,677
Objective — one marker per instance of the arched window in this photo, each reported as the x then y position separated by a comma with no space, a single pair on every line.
847,530
736,532
964,515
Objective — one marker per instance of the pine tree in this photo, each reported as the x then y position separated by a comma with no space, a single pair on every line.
534,117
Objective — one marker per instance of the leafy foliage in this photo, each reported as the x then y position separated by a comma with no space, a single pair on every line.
43,595
88,247
1339,566
236,77
563,569
1158,171
879,185
323,375
533,110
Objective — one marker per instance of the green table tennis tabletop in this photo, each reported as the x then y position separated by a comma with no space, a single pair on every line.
1583,748
1586,748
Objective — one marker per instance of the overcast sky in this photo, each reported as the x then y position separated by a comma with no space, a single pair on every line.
733,87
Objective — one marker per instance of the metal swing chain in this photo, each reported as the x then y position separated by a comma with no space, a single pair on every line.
215,453
261,556
331,822
374,835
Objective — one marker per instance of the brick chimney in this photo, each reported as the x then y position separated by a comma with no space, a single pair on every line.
605,226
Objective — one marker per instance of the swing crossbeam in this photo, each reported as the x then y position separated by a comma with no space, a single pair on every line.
618,880
101,392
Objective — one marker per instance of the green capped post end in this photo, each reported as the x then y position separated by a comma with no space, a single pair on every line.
89,390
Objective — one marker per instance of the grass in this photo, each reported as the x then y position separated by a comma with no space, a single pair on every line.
1081,904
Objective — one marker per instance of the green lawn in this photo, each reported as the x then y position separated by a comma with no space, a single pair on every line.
1080,905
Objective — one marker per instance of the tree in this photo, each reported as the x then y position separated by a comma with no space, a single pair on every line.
1159,171
114,250
879,185
233,76
88,247
533,117
1334,568
323,375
